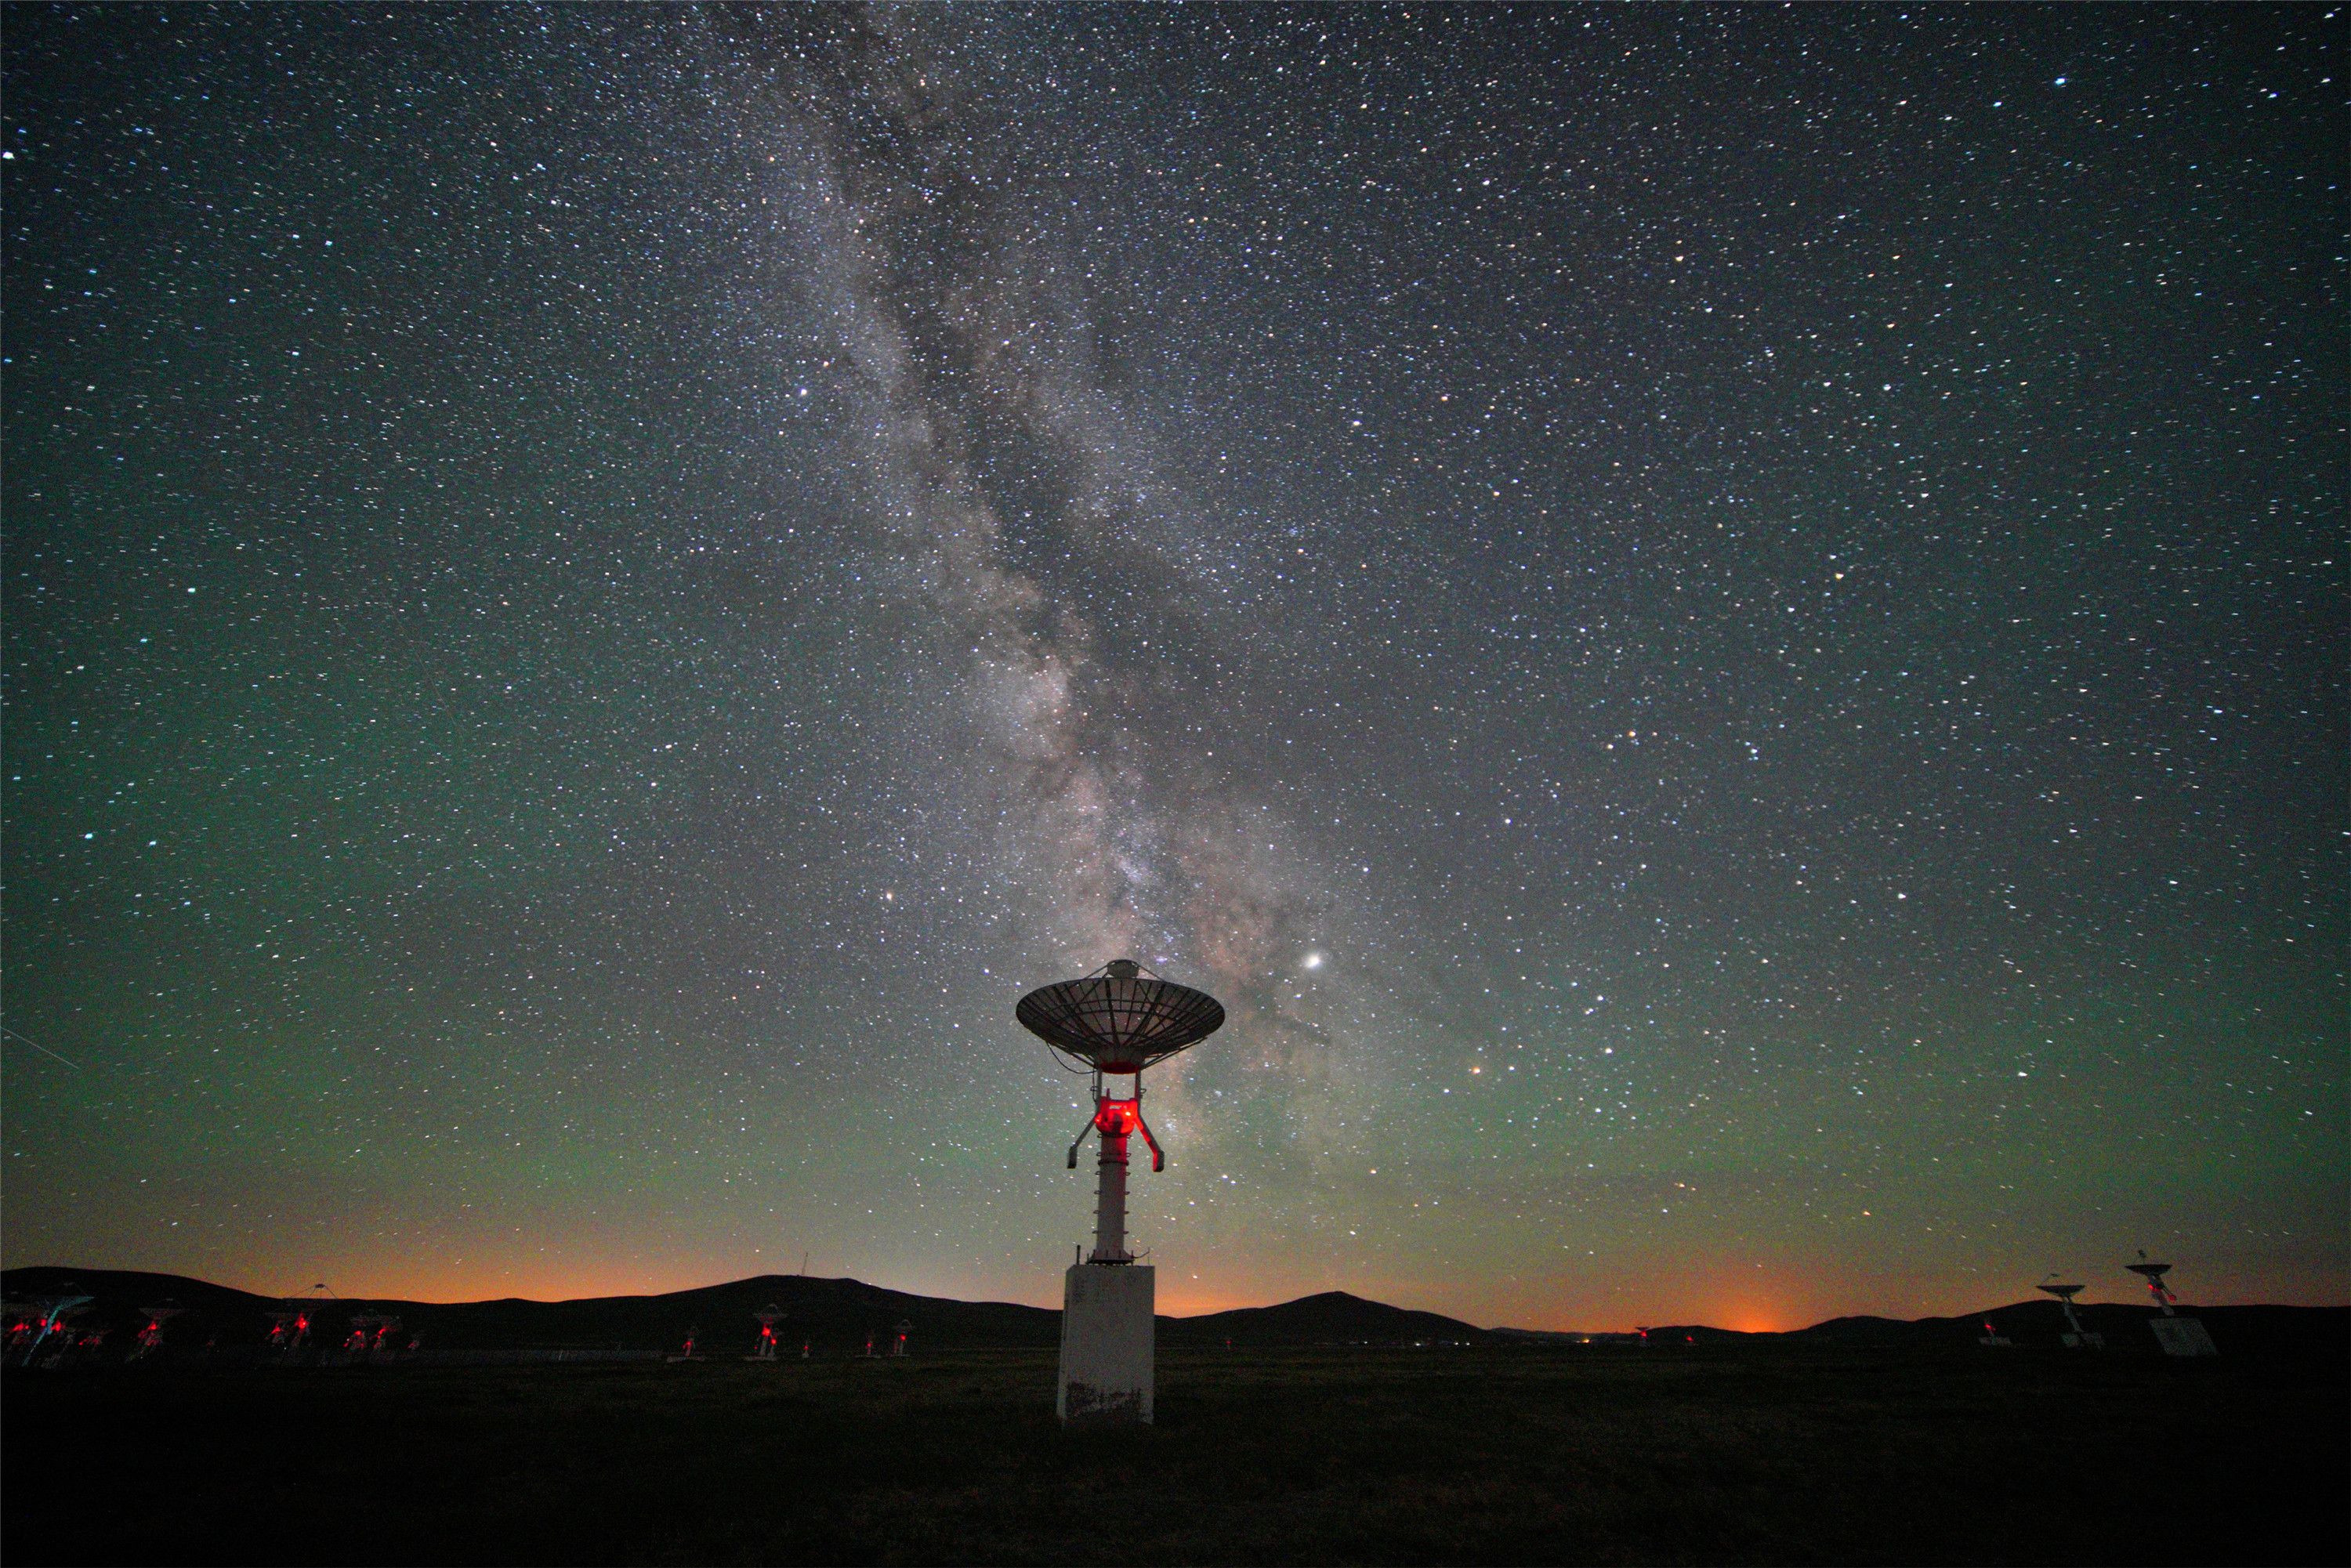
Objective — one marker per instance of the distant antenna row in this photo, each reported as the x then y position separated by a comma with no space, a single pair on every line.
2176,1334
43,1332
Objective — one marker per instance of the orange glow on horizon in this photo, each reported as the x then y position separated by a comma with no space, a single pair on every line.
1200,1300
1603,1301
450,1288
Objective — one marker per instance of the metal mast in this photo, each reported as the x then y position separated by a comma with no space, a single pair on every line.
1115,1121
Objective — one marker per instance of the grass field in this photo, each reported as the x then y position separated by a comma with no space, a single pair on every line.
1552,1455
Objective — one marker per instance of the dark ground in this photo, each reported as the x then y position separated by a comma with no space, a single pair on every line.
1518,1455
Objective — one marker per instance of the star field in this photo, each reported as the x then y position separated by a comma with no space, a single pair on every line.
1720,629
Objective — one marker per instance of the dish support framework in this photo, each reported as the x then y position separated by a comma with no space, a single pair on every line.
1114,1120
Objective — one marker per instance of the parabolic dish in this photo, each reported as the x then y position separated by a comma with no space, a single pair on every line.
1120,1018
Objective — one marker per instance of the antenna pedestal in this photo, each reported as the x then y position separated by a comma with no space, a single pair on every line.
2177,1335
2076,1336
1118,1021
1106,1344
1116,1121
1110,1204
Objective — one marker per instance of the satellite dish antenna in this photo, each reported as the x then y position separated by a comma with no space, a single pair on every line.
311,1301
2177,1335
2153,1274
371,1333
20,1317
2065,1295
50,1313
150,1338
291,1325
1121,1018
1117,1021
769,1316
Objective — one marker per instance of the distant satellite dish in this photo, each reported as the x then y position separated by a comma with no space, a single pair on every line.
2177,1335
2153,1274
769,1316
289,1327
150,1338
2079,1337
49,1320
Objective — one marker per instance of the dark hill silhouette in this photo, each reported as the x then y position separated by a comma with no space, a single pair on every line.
213,1313
1333,1317
834,1316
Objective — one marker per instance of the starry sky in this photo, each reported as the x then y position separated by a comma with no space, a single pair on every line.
1721,628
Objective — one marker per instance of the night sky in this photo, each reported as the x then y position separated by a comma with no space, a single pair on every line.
1721,628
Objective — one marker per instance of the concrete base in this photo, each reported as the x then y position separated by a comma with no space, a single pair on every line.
2178,1336
1106,1344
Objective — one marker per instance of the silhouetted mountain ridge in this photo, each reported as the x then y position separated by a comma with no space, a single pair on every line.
835,1316
1331,1317
831,1316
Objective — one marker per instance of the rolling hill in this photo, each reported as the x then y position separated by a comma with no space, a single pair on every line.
834,1317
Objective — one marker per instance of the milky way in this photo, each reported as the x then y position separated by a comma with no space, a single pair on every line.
1069,581
1721,631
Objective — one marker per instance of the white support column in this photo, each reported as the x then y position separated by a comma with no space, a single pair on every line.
1109,1201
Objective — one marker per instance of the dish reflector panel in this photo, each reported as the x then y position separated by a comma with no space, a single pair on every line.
1120,1019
